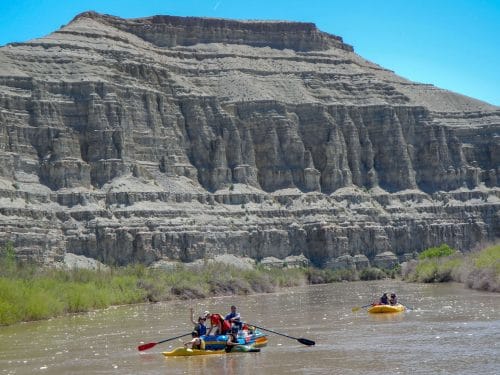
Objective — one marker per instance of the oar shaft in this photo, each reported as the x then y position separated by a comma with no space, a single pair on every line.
173,338
277,333
153,344
301,340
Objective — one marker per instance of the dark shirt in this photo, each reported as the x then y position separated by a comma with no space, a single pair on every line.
232,340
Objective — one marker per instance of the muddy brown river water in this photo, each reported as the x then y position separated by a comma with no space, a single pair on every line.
451,330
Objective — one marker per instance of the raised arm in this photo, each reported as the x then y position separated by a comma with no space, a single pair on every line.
192,316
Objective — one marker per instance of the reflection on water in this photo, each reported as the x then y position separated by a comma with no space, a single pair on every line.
451,330
387,317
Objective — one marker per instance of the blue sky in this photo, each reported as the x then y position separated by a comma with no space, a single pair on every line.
453,44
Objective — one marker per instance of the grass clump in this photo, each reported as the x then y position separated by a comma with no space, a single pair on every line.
436,252
487,258
485,269
478,270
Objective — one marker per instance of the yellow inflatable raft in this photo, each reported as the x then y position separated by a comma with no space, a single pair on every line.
185,352
376,309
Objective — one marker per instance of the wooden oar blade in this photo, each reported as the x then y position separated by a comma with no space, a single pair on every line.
306,342
146,346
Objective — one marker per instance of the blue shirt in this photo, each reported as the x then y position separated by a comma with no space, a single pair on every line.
202,329
232,315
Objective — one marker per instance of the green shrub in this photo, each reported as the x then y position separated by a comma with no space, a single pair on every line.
436,252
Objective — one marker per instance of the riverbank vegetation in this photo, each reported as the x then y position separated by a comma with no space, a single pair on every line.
29,292
479,269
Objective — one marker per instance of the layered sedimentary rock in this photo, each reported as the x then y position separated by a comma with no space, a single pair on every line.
170,138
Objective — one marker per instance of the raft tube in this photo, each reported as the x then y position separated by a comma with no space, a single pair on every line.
377,309
185,352
257,339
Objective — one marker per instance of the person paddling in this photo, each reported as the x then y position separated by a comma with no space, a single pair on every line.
232,339
384,300
196,342
393,300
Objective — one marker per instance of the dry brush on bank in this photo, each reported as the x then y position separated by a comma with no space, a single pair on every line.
479,269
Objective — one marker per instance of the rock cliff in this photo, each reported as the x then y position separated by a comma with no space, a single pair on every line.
170,138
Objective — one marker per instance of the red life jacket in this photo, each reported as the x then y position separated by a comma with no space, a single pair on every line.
225,324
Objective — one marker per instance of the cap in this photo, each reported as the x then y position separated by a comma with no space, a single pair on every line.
206,313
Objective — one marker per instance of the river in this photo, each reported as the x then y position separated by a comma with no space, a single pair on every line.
451,330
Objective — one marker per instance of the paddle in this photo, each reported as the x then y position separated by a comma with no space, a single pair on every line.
360,307
152,344
301,340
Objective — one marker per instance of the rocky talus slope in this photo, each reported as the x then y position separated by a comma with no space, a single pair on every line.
169,138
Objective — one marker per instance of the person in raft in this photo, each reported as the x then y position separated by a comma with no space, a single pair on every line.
232,339
393,300
217,324
199,326
384,300
234,318
196,342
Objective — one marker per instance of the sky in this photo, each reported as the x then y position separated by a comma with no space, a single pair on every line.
452,44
